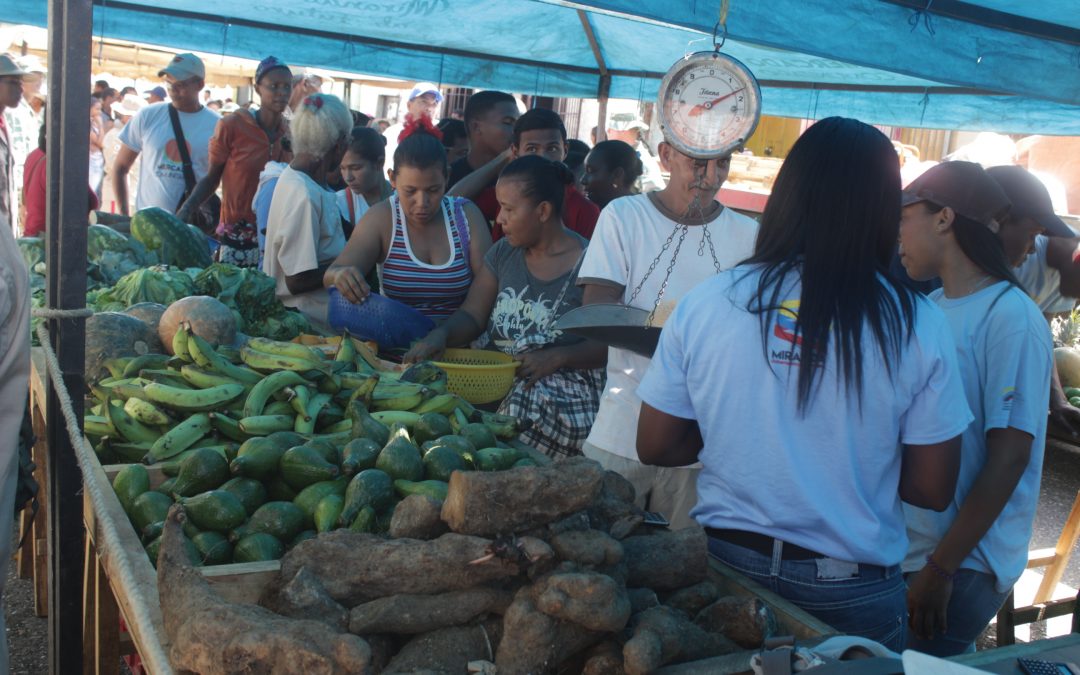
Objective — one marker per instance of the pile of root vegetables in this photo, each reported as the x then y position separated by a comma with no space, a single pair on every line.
532,570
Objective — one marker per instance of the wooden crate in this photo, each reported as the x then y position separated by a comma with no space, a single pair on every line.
246,583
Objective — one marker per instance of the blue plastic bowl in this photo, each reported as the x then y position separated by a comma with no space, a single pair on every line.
391,324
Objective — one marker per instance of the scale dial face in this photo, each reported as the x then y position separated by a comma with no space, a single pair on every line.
709,105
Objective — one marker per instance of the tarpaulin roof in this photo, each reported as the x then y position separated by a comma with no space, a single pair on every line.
979,64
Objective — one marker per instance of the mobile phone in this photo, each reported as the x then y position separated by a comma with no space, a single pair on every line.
657,518
1037,667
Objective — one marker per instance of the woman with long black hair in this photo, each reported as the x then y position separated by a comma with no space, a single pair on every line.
816,391
964,561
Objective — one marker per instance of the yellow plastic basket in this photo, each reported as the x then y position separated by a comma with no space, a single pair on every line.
478,375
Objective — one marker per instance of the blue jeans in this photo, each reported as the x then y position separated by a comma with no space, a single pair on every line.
974,601
864,600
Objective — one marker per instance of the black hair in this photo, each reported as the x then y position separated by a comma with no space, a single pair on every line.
832,222
128,90
483,101
538,118
982,246
420,150
368,143
574,145
542,180
359,119
101,83
619,155
452,131
574,159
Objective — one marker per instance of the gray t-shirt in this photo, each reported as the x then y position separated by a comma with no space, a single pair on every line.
525,308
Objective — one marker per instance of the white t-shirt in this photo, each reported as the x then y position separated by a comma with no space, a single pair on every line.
161,173
827,480
628,237
360,205
1043,282
1005,356
391,135
303,232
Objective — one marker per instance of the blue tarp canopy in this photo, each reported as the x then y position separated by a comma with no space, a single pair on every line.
980,64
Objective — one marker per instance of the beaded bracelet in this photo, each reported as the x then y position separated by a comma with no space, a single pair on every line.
938,569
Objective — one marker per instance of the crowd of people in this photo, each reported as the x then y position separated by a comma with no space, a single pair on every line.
870,453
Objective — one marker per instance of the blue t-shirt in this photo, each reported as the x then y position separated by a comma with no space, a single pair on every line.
1042,282
827,480
1005,355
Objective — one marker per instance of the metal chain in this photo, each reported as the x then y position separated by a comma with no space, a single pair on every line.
706,238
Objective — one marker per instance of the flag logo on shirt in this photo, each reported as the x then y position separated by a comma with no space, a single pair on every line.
1007,396
786,319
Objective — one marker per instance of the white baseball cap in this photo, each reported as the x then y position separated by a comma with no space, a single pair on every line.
129,105
421,88
184,67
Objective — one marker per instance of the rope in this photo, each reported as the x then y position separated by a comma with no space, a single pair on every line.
923,14
51,313
140,613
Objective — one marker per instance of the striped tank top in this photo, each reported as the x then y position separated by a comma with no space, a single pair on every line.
436,291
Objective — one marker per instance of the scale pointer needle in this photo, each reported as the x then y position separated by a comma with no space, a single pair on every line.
709,105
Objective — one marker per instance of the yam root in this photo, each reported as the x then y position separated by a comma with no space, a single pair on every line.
534,642
641,599
614,510
425,613
304,597
357,568
447,650
211,636
604,659
667,561
417,517
588,547
747,622
595,601
506,502
693,599
664,635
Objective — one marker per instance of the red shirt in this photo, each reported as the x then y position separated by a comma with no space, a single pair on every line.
578,214
34,194
244,148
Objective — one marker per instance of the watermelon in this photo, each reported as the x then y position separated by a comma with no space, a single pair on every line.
175,242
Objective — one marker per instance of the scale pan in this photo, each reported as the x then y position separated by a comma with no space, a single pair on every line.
614,325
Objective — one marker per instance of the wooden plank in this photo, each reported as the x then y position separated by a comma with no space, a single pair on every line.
1040,557
242,582
1043,611
106,625
143,579
1070,533
38,540
792,620
89,610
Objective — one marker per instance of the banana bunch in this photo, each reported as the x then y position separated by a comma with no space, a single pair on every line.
154,407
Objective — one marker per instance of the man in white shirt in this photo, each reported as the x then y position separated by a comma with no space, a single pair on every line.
627,262
23,124
424,99
150,134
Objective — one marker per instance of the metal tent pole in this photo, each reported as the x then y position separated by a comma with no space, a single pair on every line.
68,145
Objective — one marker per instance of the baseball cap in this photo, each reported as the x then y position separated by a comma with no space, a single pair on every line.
1029,197
627,121
268,64
128,106
964,187
8,66
184,66
157,91
422,88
